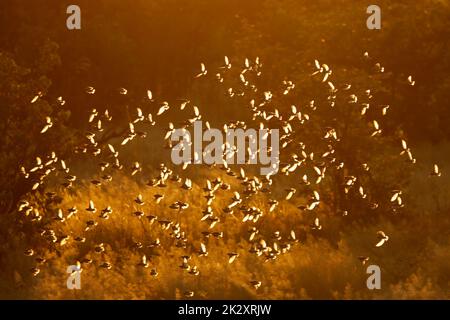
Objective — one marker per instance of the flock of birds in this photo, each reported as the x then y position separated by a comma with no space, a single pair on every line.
299,159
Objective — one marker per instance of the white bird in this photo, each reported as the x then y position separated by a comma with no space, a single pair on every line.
435,171
163,108
169,131
144,263
36,97
203,71
376,126
139,200
290,193
255,284
60,216
90,90
317,224
187,185
293,235
396,194
150,119
113,151
232,256
203,251
91,207
247,63
92,115
149,95
227,63
236,196
317,64
196,111
404,145
140,115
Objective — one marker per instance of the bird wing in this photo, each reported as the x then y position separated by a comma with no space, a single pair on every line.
380,243
293,235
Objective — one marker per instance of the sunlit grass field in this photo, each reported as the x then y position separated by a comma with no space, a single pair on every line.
322,265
